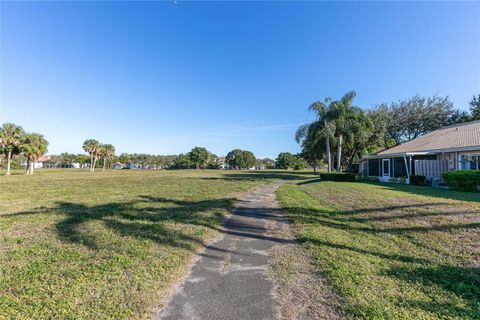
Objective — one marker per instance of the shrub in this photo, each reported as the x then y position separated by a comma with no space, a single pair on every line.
401,180
465,180
418,180
349,177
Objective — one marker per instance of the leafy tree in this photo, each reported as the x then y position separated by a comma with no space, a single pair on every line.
34,145
66,159
311,154
247,160
234,158
381,120
93,147
199,157
124,158
285,160
359,138
11,136
408,119
182,162
240,159
82,159
106,152
300,163
475,107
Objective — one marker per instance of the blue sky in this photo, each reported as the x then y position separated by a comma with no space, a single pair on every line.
164,77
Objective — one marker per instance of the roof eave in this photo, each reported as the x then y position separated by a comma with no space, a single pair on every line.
428,152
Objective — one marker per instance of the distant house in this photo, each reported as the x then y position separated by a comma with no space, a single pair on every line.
118,166
132,165
455,147
40,162
222,164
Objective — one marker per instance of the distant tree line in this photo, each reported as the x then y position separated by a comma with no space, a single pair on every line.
342,133
103,156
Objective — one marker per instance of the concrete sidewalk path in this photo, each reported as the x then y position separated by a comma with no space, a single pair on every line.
230,281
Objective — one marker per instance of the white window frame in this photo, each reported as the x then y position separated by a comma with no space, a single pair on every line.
389,169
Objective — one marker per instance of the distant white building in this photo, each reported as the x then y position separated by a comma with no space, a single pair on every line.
222,164
40,162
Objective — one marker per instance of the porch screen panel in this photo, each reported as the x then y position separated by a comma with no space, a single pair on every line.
373,167
399,168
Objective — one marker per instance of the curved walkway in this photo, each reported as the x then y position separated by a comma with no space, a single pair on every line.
230,279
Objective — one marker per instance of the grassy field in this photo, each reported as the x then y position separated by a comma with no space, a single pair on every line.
392,251
76,245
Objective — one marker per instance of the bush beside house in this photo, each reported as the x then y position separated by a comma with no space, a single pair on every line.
464,180
418,180
346,177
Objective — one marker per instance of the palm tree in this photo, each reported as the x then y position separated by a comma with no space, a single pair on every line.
11,136
33,147
320,130
343,117
92,146
107,151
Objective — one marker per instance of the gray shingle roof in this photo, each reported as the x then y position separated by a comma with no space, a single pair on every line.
459,136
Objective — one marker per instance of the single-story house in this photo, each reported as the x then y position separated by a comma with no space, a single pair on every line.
455,147
39,163
118,166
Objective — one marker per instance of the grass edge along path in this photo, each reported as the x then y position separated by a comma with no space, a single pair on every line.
392,252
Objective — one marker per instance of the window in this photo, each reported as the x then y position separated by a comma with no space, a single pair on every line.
469,162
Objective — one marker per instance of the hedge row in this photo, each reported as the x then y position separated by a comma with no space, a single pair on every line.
465,180
349,177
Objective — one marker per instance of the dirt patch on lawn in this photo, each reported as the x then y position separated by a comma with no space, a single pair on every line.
301,292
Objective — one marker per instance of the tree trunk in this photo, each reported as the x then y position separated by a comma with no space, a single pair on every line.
329,156
27,168
339,153
31,167
91,163
94,164
104,162
9,161
314,169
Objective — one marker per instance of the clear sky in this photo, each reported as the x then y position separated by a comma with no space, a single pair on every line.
164,77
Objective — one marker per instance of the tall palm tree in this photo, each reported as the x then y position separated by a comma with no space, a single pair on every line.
34,145
92,146
11,136
343,115
107,151
321,129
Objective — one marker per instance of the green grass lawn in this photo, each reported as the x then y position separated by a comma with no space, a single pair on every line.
77,245
392,251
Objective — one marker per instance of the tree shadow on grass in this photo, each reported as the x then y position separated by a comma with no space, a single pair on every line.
143,218
170,222
430,192
348,220
310,181
464,282
397,257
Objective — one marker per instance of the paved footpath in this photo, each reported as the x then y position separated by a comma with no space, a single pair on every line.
230,281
